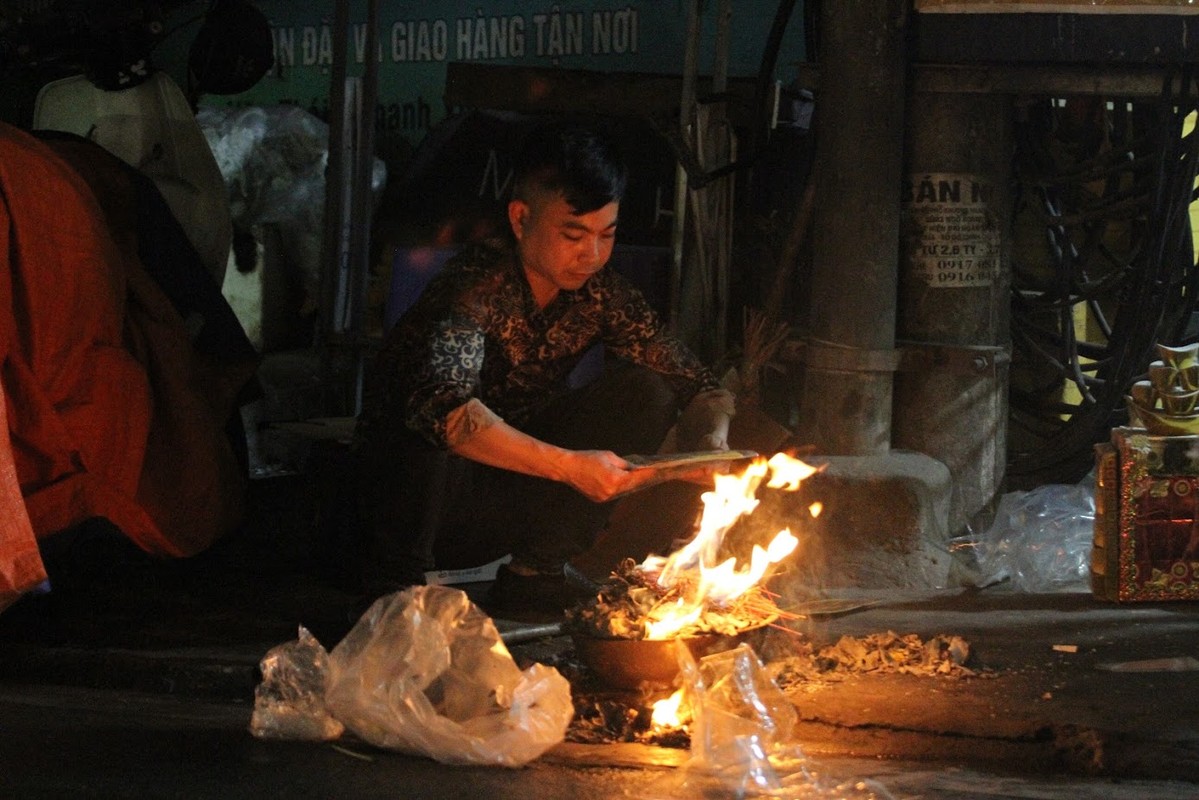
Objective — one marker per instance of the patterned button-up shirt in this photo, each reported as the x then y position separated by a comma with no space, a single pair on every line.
476,334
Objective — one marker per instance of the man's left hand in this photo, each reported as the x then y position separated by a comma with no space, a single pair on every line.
704,424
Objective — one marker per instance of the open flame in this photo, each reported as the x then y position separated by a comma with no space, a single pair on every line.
668,713
695,566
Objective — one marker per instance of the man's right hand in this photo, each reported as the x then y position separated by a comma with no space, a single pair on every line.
601,475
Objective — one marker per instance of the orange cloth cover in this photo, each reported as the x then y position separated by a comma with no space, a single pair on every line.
110,411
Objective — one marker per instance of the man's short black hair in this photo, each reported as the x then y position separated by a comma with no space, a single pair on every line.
580,162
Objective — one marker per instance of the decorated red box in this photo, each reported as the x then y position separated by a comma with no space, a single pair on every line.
1146,544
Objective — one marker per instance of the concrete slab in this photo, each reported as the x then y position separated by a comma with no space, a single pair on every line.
1056,698
883,524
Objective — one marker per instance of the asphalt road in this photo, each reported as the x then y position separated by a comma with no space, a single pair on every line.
79,743
1052,720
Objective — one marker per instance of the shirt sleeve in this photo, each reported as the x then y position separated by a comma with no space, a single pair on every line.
634,332
447,379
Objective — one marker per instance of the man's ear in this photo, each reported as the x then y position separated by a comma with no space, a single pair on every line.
518,216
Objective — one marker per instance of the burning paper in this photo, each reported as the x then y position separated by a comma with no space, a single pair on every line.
694,590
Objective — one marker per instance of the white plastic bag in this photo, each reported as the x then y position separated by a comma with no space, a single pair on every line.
424,671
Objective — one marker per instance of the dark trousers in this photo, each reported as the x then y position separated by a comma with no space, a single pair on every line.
426,508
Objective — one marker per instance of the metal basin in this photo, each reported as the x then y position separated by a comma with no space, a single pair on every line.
643,663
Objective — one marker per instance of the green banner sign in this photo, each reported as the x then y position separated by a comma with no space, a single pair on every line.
417,39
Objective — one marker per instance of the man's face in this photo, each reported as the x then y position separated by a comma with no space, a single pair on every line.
560,249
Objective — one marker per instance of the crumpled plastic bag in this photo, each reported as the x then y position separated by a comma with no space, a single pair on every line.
743,737
424,671
1040,540
290,701
740,717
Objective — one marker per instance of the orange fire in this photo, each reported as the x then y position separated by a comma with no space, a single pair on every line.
668,713
718,584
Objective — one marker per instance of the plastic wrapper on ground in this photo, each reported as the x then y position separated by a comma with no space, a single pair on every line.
289,703
1040,540
424,671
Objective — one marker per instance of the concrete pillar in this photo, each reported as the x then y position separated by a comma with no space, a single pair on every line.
846,393
950,398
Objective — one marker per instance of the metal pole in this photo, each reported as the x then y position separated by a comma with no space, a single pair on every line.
361,200
846,391
720,193
332,246
955,279
686,127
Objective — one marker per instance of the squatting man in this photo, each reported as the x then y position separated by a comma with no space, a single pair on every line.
474,440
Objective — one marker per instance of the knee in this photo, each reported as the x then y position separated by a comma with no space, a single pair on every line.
648,392
650,397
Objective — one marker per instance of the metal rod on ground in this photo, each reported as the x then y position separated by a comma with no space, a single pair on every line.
530,632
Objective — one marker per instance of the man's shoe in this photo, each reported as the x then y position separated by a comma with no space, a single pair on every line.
577,580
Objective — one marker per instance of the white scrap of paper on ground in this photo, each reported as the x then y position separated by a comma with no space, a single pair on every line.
485,572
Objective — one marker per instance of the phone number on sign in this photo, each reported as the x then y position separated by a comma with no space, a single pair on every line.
959,272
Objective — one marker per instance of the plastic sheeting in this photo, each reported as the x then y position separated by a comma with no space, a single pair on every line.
111,411
20,563
273,159
1040,540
